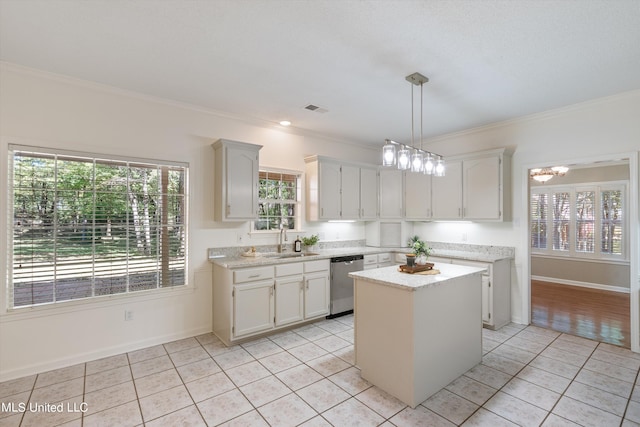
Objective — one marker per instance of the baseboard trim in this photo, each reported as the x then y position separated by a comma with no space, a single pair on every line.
582,284
97,354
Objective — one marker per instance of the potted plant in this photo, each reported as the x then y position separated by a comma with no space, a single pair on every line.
420,249
310,242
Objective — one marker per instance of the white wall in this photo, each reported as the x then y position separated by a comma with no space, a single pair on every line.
52,111
595,130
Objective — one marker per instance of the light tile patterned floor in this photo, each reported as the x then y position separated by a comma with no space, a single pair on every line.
529,377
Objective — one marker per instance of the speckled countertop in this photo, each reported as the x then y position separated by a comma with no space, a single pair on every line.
390,276
271,258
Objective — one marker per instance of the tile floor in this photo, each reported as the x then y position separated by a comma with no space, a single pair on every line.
529,377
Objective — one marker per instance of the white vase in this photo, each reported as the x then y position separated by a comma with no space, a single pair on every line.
421,259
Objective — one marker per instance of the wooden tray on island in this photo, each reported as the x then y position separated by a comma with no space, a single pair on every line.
416,268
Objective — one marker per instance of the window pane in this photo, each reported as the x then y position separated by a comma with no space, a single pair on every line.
279,196
611,241
561,221
539,221
585,221
87,227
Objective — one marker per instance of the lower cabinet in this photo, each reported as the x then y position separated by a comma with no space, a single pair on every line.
252,301
253,308
496,289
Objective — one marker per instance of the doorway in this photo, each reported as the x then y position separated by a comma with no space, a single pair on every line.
580,276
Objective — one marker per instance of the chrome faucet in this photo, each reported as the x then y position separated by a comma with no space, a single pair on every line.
281,247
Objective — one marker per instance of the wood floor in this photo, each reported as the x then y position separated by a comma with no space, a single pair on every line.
589,313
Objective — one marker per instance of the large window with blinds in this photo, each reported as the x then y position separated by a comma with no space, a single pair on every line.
579,221
86,226
279,195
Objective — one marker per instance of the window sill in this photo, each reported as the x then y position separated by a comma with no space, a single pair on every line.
53,309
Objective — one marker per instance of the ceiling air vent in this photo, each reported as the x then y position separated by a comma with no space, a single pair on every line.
315,108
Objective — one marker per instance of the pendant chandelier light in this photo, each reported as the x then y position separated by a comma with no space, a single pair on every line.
545,174
409,157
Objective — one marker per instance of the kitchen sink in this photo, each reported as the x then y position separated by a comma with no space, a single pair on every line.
291,255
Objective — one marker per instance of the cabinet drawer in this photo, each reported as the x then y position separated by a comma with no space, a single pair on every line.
252,274
384,258
370,259
320,265
289,269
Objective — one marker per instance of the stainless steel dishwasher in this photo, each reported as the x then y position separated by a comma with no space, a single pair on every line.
342,284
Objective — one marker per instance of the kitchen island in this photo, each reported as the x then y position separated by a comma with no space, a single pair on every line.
414,333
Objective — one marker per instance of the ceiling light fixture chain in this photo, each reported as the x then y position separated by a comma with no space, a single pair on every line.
408,156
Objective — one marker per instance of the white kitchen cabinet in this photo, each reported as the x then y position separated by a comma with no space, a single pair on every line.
391,194
476,187
316,294
496,289
350,192
417,196
256,300
253,308
486,186
370,262
338,190
368,193
236,180
289,294
446,192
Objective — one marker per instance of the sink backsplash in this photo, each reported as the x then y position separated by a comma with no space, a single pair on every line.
479,249
234,251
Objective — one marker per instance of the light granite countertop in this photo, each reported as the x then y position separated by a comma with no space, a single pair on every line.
390,276
272,257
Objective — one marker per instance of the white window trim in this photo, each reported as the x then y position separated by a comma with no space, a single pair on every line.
597,187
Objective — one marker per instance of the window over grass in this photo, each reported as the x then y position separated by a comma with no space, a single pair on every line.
586,221
86,226
279,196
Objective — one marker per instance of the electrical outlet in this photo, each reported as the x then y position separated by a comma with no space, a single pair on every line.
128,315
239,237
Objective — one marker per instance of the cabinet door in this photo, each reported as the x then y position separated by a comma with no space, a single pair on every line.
446,193
482,187
417,196
289,300
241,183
253,308
368,193
316,295
391,194
329,189
350,196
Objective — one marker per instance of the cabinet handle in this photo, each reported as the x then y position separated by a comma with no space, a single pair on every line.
253,276
459,212
307,281
228,209
272,289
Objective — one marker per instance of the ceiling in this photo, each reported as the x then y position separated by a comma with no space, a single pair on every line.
265,60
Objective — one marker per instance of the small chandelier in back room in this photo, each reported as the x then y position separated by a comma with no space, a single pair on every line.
408,157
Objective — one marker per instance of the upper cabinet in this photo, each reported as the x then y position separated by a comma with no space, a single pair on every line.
417,196
391,194
236,180
336,191
476,187
368,193
446,192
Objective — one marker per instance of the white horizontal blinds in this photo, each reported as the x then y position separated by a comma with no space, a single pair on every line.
585,213
539,209
586,221
279,195
561,220
87,227
612,222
